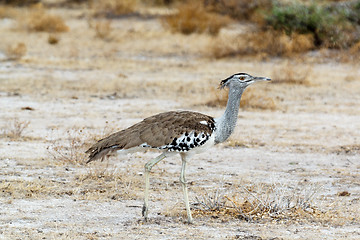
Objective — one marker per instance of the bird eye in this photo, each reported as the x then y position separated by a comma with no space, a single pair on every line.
242,78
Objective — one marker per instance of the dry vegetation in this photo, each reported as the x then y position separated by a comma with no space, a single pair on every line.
113,8
72,150
16,51
103,30
74,81
41,21
14,129
290,74
53,39
193,18
263,202
254,44
251,99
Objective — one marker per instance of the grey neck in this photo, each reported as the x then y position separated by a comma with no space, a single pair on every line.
225,125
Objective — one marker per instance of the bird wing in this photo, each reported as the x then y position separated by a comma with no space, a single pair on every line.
155,131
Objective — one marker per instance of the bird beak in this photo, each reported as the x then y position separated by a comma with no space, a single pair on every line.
257,79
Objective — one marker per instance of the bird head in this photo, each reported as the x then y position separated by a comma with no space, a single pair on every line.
241,80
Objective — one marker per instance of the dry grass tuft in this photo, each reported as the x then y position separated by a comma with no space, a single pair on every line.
262,202
53,39
262,43
290,74
192,17
77,141
40,21
256,99
14,129
103,30
16,51
114,8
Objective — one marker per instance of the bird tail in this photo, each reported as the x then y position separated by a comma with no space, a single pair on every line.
95,153
102,148
111,143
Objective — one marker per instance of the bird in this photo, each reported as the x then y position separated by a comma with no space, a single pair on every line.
177,132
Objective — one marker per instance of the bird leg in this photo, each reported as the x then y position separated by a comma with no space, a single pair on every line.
184,186
148,167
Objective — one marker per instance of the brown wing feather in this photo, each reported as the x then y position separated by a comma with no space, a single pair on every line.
156,131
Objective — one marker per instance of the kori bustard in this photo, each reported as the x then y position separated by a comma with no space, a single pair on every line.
182,132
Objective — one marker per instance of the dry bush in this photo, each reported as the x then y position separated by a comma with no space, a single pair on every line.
114,8
238,9
69,150
192,17
291,74
16,51
251,99
14,128
262,43
77,141
354,53
262,202
256,99
355,49
103,30
40,21
20,2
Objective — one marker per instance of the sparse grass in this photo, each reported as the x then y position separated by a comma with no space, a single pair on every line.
211,201
263,202
192,17
242,143
16,51
101,181
41,21
97,182
289,74
69,150
15,128
26,189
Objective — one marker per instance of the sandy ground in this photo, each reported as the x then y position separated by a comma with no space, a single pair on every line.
82,88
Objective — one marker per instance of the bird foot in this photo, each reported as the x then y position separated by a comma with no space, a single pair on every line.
144,212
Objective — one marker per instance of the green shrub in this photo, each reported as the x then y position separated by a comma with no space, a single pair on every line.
303,19
332,25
